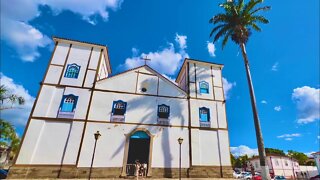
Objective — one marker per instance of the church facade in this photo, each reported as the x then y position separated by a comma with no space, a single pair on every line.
139,113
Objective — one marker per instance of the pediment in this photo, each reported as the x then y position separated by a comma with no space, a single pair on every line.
141,80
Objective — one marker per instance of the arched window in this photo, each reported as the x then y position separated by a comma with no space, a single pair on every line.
204,114
163,111
68,103
204,87
72,71
119,107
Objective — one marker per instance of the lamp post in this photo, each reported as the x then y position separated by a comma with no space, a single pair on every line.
180,140
96,137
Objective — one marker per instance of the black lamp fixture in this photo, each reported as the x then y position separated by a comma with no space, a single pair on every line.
180,140
97,135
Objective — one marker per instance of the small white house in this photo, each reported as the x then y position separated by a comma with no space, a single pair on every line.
283,166
139,113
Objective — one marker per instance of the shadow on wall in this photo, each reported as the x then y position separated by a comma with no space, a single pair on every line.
176,109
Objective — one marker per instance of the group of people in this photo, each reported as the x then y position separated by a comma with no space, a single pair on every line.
141,169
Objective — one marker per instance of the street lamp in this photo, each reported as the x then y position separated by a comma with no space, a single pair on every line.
180,140
96,137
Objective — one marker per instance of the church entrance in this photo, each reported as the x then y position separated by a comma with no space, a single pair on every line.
139,145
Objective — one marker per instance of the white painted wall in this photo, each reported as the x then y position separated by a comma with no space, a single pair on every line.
140,109
80,56
53,74
60,53
110,146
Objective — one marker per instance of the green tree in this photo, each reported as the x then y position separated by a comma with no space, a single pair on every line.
233,160
275,151
7,97
236,23
301,157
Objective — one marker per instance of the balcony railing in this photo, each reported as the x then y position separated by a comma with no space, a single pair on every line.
67,115
205,124
117,118
163,121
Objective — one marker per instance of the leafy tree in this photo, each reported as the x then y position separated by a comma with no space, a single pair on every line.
233,160
275,151
236,23
301,157
7,97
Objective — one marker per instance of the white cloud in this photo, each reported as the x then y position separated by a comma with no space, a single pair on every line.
19,115
227,86
181,40
166,61
307,100
264,102
275,66
26,39
243,150
277,108
289,137
211,49
318,137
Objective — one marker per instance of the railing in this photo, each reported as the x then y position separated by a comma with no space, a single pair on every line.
67,115
205,124
132,171
117,118
163,121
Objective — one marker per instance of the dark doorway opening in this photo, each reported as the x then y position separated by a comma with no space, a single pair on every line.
139,145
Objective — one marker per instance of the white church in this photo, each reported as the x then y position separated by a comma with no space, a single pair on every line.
139,114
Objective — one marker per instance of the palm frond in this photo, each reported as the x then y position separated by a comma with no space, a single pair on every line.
255,27
222,31
225,39
218,18
216,28
250,5
260,19
265,8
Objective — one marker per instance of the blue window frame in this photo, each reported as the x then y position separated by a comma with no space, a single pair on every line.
68,103
163,111
72,71
119,107
204,114
204,87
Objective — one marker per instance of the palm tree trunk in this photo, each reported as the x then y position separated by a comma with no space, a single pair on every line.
262,153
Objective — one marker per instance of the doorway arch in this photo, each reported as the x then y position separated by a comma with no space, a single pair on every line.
142,135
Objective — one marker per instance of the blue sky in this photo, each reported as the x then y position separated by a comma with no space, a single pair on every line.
284,57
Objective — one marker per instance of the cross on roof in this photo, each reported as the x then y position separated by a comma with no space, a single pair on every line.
146,59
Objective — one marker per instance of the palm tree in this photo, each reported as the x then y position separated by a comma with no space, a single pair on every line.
7,97
236,22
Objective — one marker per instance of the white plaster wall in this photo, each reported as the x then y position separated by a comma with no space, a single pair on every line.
216,72
60,53
80,56
51,145
48,102
73,144
83,101
218,94
150,82
110,146
224,148
195,104
195,145
168,89
204,74
209,151
140,108
103,72
30,141
53,74
222,119
123,82
89,78
94,58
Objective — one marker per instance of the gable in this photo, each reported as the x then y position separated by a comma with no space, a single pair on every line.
141,80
